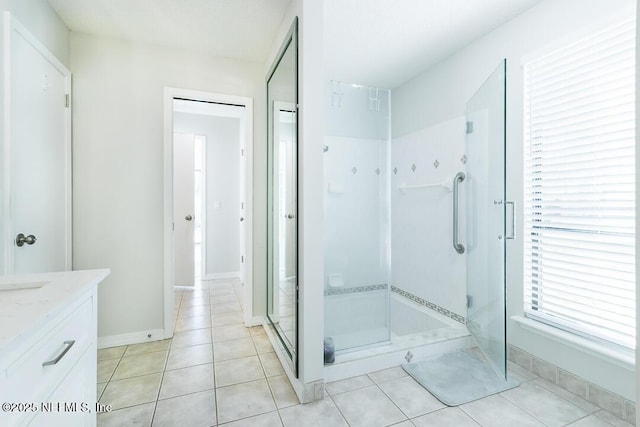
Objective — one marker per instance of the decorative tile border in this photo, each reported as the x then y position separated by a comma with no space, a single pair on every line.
421,301
429,304
355,289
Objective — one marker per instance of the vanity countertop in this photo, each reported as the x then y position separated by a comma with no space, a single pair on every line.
28,302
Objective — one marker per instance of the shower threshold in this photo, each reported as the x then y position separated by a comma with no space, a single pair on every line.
400,350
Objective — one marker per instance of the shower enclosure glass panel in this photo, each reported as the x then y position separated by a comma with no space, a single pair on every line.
356,212
485,185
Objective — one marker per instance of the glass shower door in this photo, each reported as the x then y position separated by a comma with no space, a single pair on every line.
485,213
356,215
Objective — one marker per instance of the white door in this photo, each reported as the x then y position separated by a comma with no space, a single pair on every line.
243,231
183,213
284,131
288,148
39,154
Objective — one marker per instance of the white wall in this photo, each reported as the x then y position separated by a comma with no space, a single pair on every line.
43,22
440,94
222,189
118,167
311,257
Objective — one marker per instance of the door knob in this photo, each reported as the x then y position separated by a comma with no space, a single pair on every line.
241,218
21,239
188,217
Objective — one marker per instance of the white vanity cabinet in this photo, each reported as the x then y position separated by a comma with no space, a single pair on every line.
48,372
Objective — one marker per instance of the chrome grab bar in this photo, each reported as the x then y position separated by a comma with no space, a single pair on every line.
456,180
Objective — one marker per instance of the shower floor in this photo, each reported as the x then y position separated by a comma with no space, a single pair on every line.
447,336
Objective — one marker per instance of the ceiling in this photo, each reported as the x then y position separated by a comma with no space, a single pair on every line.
384,43
373,42
236,29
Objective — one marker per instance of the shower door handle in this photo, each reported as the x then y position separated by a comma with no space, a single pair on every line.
512,236
456,181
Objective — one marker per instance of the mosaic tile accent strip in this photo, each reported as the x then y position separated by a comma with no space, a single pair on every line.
355,289
429,304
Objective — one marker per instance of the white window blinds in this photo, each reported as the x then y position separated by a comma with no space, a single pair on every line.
579,195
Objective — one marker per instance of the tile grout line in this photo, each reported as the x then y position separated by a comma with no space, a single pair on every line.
533,415
587,411
591,415
215,387
393,401
155,406
108,381
338,409
275,402
469,415
214,370
277,411
561,397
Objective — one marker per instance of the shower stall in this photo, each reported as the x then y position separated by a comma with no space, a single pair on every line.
415,230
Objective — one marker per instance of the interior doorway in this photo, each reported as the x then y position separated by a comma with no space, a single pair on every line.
206,178
208,164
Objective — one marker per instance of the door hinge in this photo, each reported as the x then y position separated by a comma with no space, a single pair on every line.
469,301
469,127
242,259
242,152
67,100
241,205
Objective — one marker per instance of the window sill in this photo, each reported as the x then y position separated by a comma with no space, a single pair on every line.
624,359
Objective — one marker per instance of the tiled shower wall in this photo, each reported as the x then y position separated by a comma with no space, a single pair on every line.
600,397
423,261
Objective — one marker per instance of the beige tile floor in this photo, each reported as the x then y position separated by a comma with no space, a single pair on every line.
216,372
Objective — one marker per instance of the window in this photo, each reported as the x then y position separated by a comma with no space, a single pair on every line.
579,195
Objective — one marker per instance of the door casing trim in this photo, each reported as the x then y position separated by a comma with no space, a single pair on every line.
171,93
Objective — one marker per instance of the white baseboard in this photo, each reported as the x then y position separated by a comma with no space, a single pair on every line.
254,321
218,276
132,338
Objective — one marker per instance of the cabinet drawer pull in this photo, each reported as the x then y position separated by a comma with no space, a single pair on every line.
68,345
